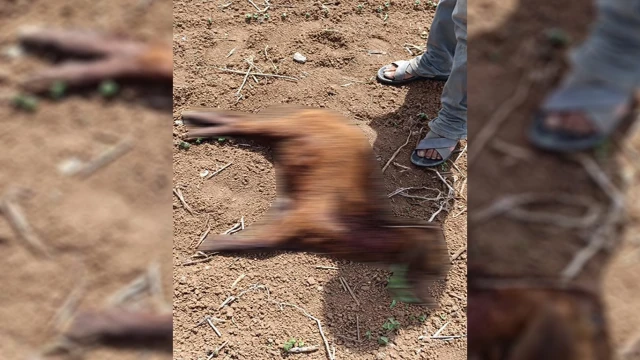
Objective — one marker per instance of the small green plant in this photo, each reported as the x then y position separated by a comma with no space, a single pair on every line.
379,9
210,21
422,318
417,2
26,102
443,166
387,5
307,15
391,324
184,145
557,37
222,139
325,11
383,340
256,16
442,316
368,335
266,17
394,302
359,8
422,116
57,90
108,88
199,140
291,343
248,17
284,16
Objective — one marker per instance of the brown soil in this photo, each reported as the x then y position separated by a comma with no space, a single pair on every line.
337,75
114,223
508,44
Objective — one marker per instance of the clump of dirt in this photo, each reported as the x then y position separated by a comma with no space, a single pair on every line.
103,231
338,74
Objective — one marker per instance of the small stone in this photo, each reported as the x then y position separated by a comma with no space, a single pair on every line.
381,356
364,288
311,281
297,57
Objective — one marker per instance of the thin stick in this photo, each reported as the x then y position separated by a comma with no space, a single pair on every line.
458,253
215,329
396,152
599,238
219,348
18,221
350,291
197,261
512,206
64,314
327,267
498,117
259,74
105,158
228,301
239,91
358,326
237,280
203,236
135,287
219,170
324,339
186,206
448,337
231,52
440,330
462,152
300,350
257,8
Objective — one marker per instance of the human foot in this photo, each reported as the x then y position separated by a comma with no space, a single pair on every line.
433,150
579,117
404,71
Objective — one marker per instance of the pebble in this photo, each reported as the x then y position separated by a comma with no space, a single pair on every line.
297,57
381,356
311,281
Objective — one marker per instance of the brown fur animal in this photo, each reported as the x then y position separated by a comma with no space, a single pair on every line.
330,197
107,57
532,324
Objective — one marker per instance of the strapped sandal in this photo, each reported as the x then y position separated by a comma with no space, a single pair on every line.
433,141
403,67
603,105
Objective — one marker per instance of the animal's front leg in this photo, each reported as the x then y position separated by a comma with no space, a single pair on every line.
113,58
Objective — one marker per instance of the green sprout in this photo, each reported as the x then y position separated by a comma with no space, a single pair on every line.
58,89
383,340
391,324
184,145
108,88
26,102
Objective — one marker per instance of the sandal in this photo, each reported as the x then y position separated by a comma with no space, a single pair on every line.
605,106
401,69
442,145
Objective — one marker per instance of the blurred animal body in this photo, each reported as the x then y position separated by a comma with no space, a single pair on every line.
330,196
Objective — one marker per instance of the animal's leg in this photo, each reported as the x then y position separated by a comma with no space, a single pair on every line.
202,123
120,324
79,42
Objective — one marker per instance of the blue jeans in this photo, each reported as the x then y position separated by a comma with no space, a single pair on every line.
611,53
446,54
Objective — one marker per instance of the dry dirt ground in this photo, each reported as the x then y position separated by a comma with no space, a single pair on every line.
508,43
339,75
105,230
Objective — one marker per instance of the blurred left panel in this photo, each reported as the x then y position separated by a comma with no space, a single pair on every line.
85,179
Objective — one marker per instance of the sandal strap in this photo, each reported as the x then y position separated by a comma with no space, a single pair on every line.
402,66
598,102
440,144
